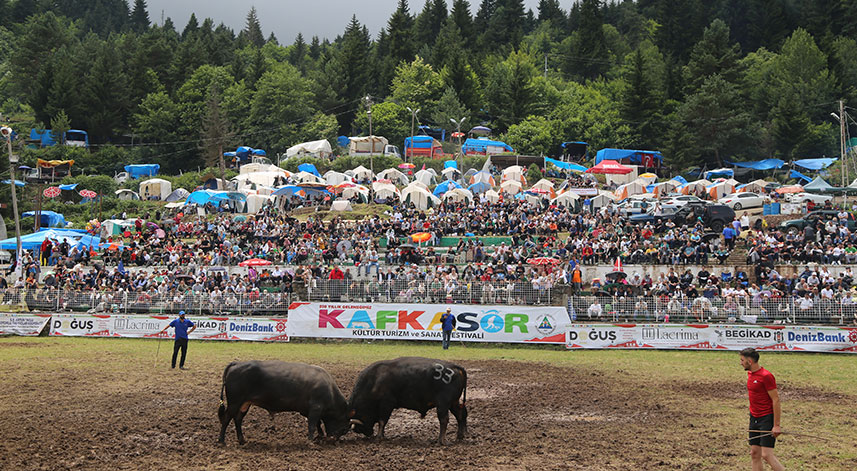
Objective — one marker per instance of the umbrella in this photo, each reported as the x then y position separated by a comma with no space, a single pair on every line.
457,134
343,245
782,190
87,193
610,167
616,275
51,192
543,261
239,218
420,237
538,191
160,234
407,246
152,224
407,165
254,262
480,130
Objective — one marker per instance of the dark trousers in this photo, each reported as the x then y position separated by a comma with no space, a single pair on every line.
180,344
446,335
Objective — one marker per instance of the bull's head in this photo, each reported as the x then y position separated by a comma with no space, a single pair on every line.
361,424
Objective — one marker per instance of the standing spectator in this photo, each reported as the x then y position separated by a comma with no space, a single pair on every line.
764,411
447,321
181,335
729,236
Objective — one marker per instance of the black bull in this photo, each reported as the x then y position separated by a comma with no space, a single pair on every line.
418,384
280,387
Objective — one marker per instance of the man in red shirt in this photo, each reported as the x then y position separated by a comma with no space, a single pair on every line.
764,411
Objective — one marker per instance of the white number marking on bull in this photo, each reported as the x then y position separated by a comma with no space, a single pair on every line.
443,374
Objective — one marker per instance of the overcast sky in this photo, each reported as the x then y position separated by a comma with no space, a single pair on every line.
322,18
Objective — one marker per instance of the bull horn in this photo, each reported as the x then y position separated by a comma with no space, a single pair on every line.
356,422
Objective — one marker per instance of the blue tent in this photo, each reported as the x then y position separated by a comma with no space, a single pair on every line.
566,165
259,152
479,187
343,141
444,187
719,173
814,164
288,190
767,164
309,168
680,179
798,175
201,197
480,146
17,182
450,163
48,218
142,170
34,241
634,157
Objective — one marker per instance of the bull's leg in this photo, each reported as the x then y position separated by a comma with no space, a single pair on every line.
239,418
443,417
384,417
312,424
460,413
227,417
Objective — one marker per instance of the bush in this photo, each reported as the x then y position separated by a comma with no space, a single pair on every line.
534,174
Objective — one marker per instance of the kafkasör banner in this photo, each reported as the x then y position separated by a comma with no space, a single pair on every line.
513,324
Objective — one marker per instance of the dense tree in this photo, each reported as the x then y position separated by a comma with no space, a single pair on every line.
428,23
216,131
510,91
586,53
641,104
713,54
139,16
349,69
460,15
449,109
253,29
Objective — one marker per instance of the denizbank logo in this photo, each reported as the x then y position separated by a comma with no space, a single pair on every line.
817,337
363,317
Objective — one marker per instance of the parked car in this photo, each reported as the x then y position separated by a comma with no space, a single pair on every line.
633,206
813,217
739,201
800,198
714,216
675,202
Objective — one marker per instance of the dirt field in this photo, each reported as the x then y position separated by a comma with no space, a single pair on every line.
119,410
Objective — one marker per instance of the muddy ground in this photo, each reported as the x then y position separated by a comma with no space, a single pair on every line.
107,413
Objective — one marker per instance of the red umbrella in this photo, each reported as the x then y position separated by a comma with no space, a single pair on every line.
543,261
254,262
51,192
610,166
87,193
420,237
407,165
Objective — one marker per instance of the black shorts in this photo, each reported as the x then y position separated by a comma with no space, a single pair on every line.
766,422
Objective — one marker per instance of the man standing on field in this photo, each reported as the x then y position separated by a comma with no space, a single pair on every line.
764,411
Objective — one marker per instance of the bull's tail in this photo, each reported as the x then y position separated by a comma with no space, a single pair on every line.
464,397
221,411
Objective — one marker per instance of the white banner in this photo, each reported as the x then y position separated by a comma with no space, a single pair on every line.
23,324
713,337
207,328
511,324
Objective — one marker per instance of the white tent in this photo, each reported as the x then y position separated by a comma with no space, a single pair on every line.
306,177
367,145
414,187
248,180
335,178
629,189
458,194
359,191
362,173
385,190
421,198
255,203
719,190
566,199
319,148
394,176
341,205
662,189
432,171
155,188
418,185
515,173
695,188
492,196
425,177
260,167
482,176
127,195
758,186
511,187
450,173
603,199
544,184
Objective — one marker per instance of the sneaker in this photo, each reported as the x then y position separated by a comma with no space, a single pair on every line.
183,368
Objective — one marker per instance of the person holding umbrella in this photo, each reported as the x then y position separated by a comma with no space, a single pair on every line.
181,335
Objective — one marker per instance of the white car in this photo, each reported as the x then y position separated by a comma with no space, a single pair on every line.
634,206
672,203
739,201
800,198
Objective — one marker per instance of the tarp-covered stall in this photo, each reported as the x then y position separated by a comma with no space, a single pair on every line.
142,170
425,146
156,188
484,146
645,158
231,200
127,195
34,241
320,148
47,218
366,145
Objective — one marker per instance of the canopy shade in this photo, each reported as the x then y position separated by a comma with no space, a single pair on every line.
610,167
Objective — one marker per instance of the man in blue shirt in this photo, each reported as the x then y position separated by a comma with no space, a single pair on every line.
447,320
181,329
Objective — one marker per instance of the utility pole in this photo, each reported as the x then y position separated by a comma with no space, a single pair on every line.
411,146
842,165
371,136
7,133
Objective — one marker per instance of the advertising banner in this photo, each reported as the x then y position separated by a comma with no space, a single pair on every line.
509,324
713,337
31,325
207,328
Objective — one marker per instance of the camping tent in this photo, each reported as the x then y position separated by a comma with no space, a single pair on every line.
179,194
156,188
359,191
112,227
363,174
34,241
603,199
425,177
335,178
511,187
450,173
261,167
662,189
444,187
341,205
719,190
249,180
309,168
47,218
756,186
697,188
306,177
367,145
630,189
458,194
492,196
319,148
256,202
545,185
385,190
515,173
421,198
127,195
479,187
483,176
818,186
393,175
566,199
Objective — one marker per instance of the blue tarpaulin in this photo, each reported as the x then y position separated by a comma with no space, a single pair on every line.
309,168
680,179
479,187
34,241
201,197
259,152
343,141
17,182
444,187
142,170
450,163
766,164
648,158
814,164
796,174
719,173
566,165
48,218
480,146
69,187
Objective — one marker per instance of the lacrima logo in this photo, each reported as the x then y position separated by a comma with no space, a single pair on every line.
490,321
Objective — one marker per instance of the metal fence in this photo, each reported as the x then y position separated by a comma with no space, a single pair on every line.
420,291
124,302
